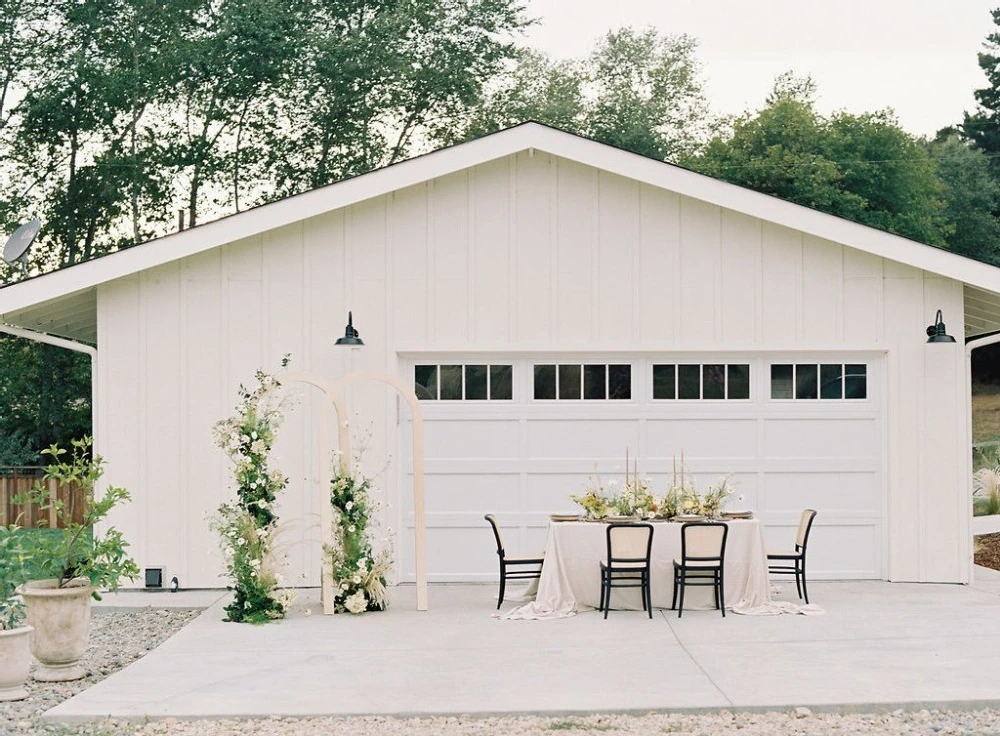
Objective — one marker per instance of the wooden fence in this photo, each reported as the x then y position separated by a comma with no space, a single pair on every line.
17,481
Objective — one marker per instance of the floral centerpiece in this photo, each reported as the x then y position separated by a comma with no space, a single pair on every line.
248,527
634,498
359,573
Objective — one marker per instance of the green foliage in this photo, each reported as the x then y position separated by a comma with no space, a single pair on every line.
971,195
986,487
12,574
861,167
638,90
982,127
248,528
44,398
114,114
358,573
75,549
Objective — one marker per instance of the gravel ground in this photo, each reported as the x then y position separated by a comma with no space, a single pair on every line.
118,638
988,551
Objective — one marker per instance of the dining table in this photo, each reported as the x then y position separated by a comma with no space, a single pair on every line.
570,580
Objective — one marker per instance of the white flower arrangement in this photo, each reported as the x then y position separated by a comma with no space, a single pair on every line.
359,572
248,526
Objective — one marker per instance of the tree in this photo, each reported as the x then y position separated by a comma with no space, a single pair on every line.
44,398
638,90
971,195
382,79
861,167
982,127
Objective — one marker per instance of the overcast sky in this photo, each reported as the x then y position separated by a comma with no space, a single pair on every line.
915,56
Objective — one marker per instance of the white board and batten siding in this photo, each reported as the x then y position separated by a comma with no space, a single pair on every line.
535,257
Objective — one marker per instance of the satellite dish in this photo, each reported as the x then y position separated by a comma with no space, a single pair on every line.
18,243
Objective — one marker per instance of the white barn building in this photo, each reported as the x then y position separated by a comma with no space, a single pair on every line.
556,302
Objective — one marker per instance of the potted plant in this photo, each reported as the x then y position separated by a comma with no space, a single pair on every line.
15,654
69,564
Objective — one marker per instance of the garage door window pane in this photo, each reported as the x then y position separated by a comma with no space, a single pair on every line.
475,382
545,381
595,379
689,382
569,382
805,382
739,382
425,382
501,384
620,382
713,381
781,381
664,382
451,382
855,381
831,381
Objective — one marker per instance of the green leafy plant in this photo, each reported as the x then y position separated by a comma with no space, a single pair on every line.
74,549
12,574
359,573
986,488
248,528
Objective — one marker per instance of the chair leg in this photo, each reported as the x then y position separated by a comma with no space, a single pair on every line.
673,603
680,610
798,580
503,585
606,594
805,593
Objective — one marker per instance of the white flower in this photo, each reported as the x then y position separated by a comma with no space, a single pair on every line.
357,579
352,528
357,603
253,435
349,505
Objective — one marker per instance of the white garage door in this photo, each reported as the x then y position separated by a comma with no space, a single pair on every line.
516,437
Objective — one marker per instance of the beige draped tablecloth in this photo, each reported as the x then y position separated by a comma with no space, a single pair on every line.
571,578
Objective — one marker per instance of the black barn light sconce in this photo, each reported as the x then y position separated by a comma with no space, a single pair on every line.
351,337
936,331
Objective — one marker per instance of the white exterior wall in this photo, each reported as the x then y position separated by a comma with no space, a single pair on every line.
525,254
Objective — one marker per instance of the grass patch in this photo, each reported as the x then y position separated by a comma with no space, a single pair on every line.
987,506
986,414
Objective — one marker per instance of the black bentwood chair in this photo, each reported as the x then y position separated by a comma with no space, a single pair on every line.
627,565
793,562
703,557
518,563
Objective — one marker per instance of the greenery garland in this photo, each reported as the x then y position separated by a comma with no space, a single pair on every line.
248,528
358,573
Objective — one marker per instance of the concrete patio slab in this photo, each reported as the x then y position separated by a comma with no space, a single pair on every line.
879,644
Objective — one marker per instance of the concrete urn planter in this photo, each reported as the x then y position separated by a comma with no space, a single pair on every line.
15,661
61,621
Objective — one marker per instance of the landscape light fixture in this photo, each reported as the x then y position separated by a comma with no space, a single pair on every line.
350,337
936,331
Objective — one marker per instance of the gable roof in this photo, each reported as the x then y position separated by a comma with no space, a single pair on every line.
63,302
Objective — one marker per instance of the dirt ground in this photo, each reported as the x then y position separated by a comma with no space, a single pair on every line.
988,551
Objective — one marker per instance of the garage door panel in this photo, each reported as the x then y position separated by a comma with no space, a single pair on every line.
453,438
665,438
827,491
548,493
580,438
472,493
819,438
